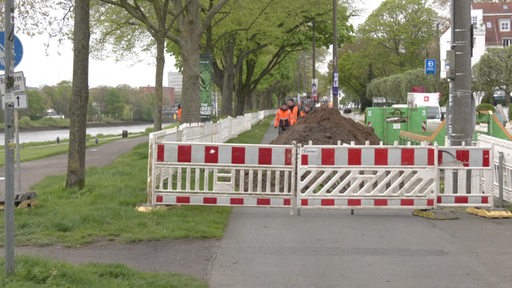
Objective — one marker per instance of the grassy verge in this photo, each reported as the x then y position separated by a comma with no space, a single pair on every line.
38,272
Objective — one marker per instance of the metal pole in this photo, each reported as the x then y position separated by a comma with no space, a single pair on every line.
461,122
18,158
314,56
9,136
500,178
334,54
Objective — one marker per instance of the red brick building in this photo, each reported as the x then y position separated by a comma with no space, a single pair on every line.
497,17
169,97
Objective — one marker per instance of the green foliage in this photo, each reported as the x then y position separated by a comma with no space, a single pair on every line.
395,38
38,272
485,107
394,88
403,29
494,71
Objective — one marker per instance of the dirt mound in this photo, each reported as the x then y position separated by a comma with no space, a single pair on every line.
326,126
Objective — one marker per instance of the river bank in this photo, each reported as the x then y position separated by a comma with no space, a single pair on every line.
89,125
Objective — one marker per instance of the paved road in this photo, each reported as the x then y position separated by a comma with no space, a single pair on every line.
329,248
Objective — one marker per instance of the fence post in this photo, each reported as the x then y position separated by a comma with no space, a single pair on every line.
500,178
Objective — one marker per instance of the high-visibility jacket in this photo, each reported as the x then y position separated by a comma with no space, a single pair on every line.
179,114
294,114
282,118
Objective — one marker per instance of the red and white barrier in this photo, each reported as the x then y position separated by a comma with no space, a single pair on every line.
202,153
320,176
367,156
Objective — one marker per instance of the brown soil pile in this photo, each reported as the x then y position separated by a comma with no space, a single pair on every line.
326,126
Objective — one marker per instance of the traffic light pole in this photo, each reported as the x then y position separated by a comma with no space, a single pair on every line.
461,113
10,143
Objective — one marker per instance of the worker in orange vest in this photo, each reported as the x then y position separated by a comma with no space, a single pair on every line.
283,116
179,112
294,111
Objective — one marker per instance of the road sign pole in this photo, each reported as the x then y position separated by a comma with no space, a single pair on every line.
9,137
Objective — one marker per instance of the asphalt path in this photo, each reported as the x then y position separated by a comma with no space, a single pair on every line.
332,248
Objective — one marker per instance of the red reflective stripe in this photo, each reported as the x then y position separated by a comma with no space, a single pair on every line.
327,202
184,153
159,199
381,202
461,200
263,202
485,199
304,202
407,157
381,156
486,158
287,202
305,159
160,153
236,201
288,156
210,200
407,202
265,156
238,155
354,156
430,202
354,202
211,154
182,200
463,156
328,156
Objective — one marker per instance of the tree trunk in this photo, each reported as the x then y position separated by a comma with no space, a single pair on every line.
80,96
190,51
229,80
159,92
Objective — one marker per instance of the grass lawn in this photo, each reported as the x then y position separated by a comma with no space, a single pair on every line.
105,209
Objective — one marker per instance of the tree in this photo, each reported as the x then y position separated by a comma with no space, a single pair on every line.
179,21
494,71
78,109
253,40
404,29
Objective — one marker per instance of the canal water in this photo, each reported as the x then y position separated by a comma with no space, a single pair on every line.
51,135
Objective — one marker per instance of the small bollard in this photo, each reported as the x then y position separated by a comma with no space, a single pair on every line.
96,140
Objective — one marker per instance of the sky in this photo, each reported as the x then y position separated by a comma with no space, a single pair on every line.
48,67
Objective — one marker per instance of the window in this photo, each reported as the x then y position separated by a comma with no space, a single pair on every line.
506,42
474,20
488,24
505,25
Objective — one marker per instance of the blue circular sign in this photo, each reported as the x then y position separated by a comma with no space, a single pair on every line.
18,51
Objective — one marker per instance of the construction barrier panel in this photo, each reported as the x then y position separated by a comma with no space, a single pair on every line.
223,174
502,148
367,177
465,177
319,176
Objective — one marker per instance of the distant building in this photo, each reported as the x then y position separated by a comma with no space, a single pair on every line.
175,80
169,97
491,29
